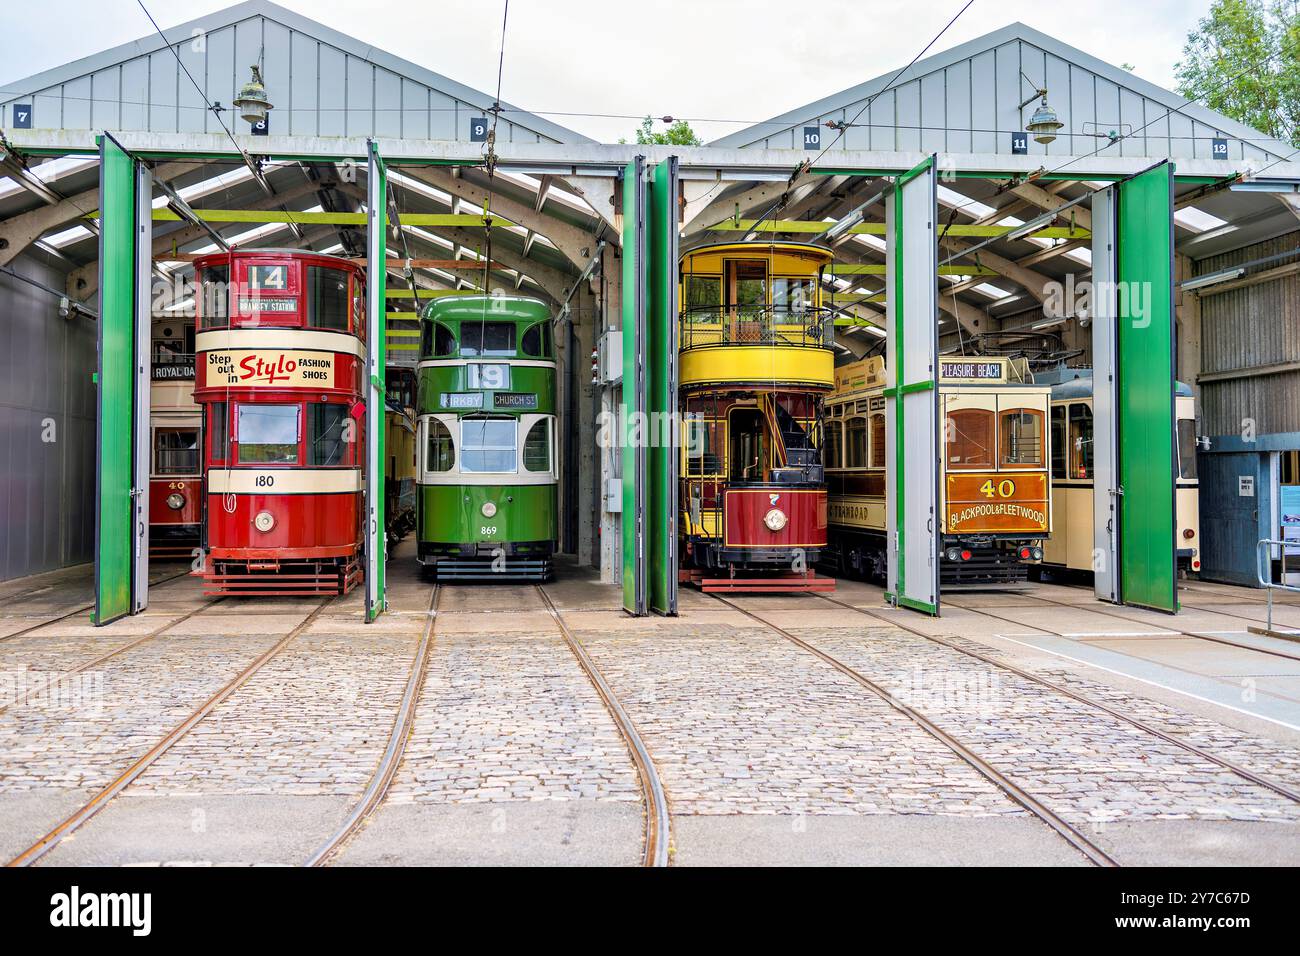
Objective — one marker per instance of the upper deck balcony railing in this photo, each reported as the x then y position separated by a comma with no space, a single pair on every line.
756,325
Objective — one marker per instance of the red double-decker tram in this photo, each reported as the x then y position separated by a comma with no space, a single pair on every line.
280,360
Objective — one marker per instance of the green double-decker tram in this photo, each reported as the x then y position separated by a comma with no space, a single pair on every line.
487,434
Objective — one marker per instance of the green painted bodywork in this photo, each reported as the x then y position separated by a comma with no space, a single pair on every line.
377,533
113,539
452,514
634,400
661,359
1148,463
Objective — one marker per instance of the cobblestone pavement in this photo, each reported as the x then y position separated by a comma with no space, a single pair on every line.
507,714
313,720
1258,754
1083,763
85,739
740,721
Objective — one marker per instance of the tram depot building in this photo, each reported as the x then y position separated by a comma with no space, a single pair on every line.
993,361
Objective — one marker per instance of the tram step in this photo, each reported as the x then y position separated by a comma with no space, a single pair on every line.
783,584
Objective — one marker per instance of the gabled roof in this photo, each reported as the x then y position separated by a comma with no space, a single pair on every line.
321,82
966,100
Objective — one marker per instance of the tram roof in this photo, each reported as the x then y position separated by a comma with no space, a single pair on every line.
475,308
780,245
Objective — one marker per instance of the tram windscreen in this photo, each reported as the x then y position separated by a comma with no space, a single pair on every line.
488,445
328,434
1022,437
176,451
487,338
1187,449
267,434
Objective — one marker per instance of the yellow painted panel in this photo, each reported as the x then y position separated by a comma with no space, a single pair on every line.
750,363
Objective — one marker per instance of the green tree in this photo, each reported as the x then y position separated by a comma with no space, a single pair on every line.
678,133
1243,60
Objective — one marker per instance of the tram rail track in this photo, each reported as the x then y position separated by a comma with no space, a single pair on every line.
1067,831
61,676
1110,612
658,823
389,761
125,778
80,609
1137,723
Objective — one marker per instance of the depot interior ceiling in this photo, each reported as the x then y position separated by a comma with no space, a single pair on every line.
545,230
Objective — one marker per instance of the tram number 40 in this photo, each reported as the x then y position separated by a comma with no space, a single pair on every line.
1006,488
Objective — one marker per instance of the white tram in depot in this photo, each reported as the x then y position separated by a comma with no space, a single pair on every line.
1071,545
994,507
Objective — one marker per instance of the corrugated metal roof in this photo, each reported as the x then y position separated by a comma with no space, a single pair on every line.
966,100
321,82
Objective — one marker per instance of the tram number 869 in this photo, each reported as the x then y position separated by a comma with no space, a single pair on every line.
1006,488
487,531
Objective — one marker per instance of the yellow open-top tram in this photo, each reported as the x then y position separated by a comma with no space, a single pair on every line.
756,363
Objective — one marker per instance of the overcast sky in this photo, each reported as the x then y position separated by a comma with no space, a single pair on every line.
710,60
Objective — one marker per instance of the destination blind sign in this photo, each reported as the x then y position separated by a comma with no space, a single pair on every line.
462,399
256,303
968,370
515,400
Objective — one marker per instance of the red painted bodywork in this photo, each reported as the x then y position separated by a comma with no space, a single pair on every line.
191,489
306,526
743,511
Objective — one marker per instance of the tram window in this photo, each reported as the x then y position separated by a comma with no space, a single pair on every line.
328,434
878,440
215,304
703,439
176,451
1080,445
267,434
488,444
748,286
220,432
1022,437
327,298
855,443
747,446
441,454
1060,445
703,293
537,340
1187,449
487,338
792,295
437,340
969,439
537,446
834,432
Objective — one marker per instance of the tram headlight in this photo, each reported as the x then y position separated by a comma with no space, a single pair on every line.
775,519
489,509
1189,534
175,501
952,554
264,521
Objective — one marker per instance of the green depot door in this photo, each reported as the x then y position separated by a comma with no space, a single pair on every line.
1145,393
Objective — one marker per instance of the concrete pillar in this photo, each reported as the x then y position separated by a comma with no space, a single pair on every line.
586,329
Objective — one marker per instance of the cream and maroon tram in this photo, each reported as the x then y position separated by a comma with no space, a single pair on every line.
756,363
994,504
176,435
280,361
